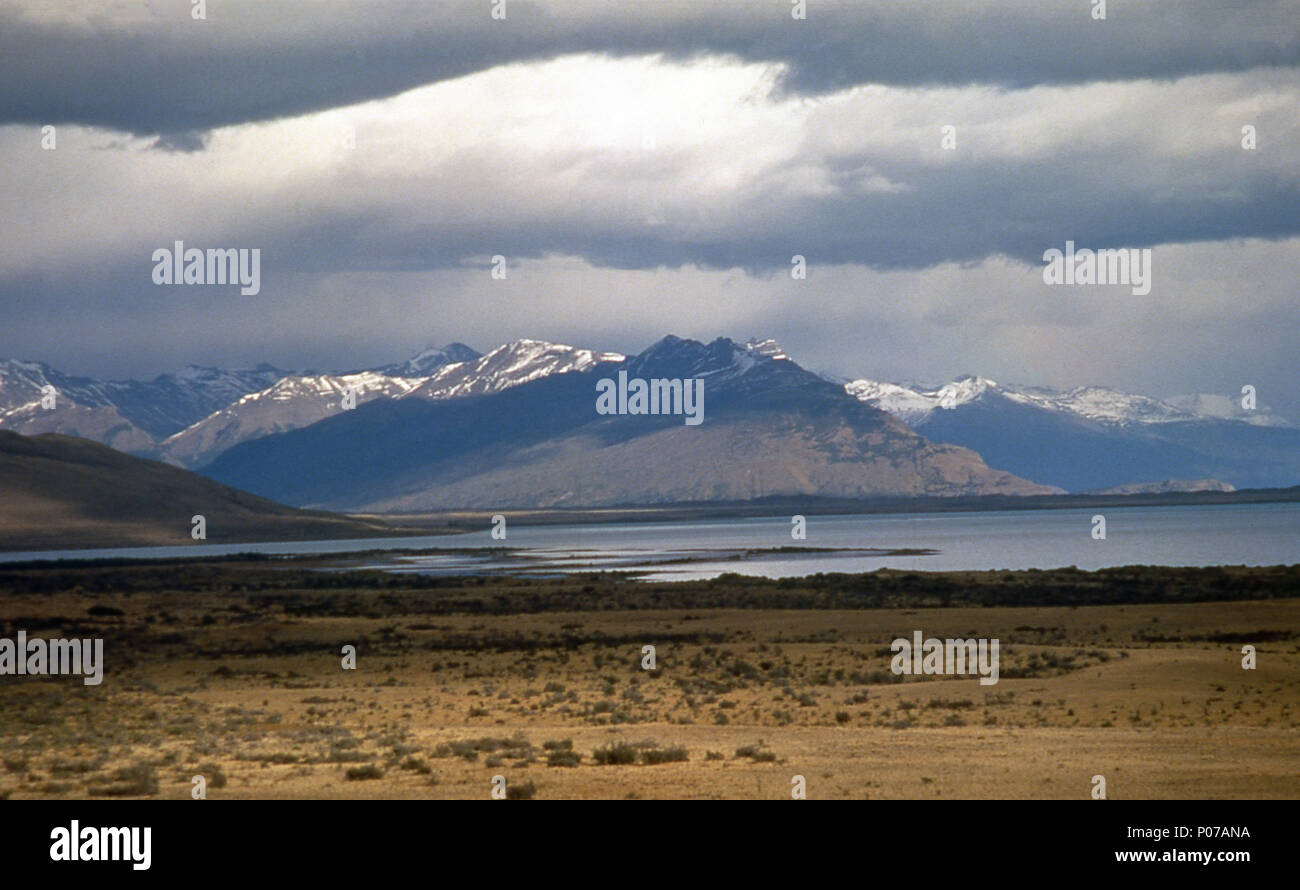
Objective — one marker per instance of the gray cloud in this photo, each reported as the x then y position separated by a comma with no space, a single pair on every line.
148,67
740,177
924,262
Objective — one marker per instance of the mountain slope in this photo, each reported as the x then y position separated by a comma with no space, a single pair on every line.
69,493
140,411
297,401
770,428
292,402
1091,438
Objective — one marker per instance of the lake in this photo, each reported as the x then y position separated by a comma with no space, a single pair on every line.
1229,534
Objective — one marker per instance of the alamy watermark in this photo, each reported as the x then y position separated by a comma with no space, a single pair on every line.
179,265
1110,266
655,396
932,656
90,844
37,657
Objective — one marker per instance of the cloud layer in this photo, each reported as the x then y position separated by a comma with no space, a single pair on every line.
657,172
149,66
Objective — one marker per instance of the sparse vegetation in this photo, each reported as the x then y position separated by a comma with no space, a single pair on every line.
222,666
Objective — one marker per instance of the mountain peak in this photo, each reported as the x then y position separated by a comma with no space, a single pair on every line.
677,357
965,388
430,360
720,350
767,348
527,352
510,364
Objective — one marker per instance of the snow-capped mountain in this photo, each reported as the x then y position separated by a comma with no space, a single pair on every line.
1083,439
1091,438
429,361
127,414
442,373
507,366
292,402
190,417
772,429
914,403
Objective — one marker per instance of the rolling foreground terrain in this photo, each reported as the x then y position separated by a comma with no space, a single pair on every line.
63,492
232,669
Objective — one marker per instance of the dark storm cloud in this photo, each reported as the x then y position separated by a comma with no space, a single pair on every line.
149,68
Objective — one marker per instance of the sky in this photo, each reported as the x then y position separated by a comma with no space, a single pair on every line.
647,168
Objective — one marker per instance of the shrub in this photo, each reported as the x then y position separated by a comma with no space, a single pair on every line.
664,755
215,776
756,754
369,771
953,703
521,792
128,781
615,753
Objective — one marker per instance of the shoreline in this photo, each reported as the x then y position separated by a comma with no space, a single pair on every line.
453,523
818,506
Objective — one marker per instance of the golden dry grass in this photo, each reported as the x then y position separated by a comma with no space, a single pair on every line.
440,704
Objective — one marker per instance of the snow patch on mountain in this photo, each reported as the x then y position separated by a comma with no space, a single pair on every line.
510,365
907,404
767,348
915,403
912,404
1101,404
301,400
159,407
427,362
290,403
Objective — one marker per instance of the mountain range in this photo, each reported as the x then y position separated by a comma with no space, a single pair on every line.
516,427
1093,439
771,428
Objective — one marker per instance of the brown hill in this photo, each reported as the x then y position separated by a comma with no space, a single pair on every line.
65,493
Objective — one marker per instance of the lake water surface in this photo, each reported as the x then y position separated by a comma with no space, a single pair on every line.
1230,534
